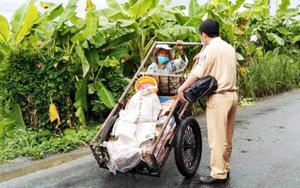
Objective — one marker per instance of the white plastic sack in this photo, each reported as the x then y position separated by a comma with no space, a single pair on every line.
143,106
132,141
123,156
124,127
135,130
145,131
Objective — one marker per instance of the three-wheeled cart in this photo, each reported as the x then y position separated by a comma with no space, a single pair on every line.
183,134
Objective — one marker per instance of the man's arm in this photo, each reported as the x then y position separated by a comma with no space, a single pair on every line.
188,82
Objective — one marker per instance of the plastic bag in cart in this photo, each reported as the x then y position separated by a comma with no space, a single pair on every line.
124,154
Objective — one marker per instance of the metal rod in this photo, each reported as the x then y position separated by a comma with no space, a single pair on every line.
183,43
163,75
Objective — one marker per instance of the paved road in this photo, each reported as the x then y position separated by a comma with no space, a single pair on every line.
265,155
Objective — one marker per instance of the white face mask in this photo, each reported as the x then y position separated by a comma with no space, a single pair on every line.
202,40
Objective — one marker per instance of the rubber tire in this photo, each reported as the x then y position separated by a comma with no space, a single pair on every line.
108,128
188,147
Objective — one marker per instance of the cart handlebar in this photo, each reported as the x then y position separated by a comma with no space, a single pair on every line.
183,43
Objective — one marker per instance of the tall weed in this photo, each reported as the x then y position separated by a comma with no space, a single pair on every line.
272,74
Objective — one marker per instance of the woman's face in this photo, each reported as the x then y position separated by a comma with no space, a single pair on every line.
163,52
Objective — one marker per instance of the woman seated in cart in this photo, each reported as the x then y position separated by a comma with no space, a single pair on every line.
163,61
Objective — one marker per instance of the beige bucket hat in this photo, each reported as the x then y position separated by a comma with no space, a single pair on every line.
165,47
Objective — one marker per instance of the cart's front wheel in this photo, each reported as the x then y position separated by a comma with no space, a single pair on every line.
108,128
188,147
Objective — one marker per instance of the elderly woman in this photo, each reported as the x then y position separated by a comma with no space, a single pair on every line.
163,61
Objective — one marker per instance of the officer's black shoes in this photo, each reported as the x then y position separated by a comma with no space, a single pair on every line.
211,180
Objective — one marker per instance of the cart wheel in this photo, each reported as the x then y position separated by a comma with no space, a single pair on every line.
108,128
188,147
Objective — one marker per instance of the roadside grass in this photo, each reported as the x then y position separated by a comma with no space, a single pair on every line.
38,144
270,75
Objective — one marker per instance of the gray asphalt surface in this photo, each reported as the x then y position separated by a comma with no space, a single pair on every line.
265,155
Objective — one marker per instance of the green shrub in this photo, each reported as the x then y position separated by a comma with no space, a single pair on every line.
32,80
272,74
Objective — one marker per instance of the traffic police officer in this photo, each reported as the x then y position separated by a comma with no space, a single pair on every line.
218,59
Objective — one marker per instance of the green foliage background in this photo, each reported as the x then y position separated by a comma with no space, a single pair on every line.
32,79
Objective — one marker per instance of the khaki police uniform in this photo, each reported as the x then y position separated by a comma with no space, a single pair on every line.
218,59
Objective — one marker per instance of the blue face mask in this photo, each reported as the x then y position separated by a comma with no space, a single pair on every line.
162,59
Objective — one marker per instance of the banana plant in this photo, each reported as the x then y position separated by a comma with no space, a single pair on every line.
22,21
11,115
10,118
4,37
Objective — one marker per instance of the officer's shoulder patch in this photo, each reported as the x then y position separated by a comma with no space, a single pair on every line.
202,58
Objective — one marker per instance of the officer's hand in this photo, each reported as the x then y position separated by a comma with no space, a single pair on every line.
181,95
197,57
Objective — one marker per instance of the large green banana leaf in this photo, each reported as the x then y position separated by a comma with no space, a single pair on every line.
67,14
21,19
4,29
